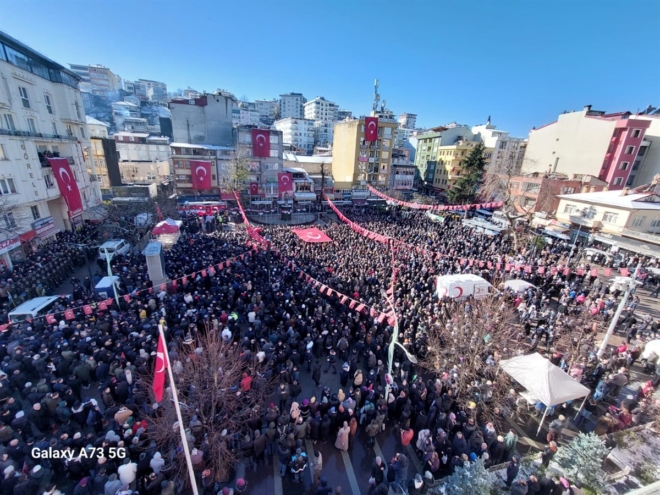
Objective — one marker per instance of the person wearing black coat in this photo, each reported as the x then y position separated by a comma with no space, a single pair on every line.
378,470
547,486
512,470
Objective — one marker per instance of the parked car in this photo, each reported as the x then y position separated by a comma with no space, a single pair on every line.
603,257
113,247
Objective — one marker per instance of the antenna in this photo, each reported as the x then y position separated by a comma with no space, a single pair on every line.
376,96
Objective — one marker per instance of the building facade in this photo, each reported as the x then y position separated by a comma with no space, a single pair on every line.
507,152
292,106
344,114
97,79
298,133
356,162
588,142
41,115
147,90
143,158
318,168
321,109
220,158
647,163
403,170
245,113
203,120
408,120
268,111
262,170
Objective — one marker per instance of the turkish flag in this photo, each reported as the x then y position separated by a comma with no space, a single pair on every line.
541,270
624,272
50,319
69,314
608,272
312,235
103,305
67,184
260,143
201,174
594,272
109,301
254,188
159,370
371,128
284,182
88,309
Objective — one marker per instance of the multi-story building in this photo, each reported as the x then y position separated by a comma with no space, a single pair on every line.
82,71
191,94
262,170
408,120
203,120
41,115
323,133
105,159
621,219
268,111
298,133
450,162
344,114
292,105
143,158
245,113
97,79
221,160
147,90
96,127
403,171
588,142
647,163
427,156
318,168
356,162
321,109
303,185
539,192
402,134
508,152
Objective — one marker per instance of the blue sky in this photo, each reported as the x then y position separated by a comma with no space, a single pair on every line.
523,62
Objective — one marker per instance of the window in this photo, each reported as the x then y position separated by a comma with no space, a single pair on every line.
610,217
48,179
35,212
10,223
639,221
32,126
618,181
531,187
636,165
636,133
3,155
69,130
49,104
655,223
24,96
630,150
77,109
82,132
624,165
54,126
7,186
567,190
9,122
570,209
642,150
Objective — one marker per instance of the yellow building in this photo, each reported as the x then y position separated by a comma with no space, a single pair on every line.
450,162
356,162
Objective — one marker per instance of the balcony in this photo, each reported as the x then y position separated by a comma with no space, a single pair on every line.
590,223
643,236
36,135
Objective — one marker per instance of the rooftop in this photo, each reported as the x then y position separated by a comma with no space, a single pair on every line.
202,146
131,134
632,200
306,159
93,121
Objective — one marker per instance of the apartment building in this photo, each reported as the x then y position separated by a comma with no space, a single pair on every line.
203,120
297,133
292,106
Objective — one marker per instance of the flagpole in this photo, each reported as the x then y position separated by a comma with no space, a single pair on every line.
182,430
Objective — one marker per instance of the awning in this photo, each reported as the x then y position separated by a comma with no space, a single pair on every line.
557,235
304,196
540,222
96,213
633,245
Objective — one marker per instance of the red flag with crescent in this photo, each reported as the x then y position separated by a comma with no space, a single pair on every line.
201,174
312,235
159,370
371,128
260,143
50,319
87,309
608,272
69,314
284,182
254,188
103,306
66,181
624,272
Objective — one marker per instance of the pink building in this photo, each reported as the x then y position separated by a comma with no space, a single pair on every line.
589,142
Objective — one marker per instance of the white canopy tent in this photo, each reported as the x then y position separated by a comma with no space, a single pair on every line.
545,381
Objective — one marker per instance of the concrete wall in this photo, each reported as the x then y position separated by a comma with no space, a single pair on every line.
344,152
203,124
650,166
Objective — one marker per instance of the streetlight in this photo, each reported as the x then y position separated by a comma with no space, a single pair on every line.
583,213
390,351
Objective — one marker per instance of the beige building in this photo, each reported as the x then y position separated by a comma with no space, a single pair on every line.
450,160
356,162
627,219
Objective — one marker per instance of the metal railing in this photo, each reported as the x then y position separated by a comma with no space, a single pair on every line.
641,235
9,132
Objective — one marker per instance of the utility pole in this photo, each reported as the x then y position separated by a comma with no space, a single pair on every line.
619,310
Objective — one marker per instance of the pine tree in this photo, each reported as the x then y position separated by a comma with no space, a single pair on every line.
474,479
582,459
474,167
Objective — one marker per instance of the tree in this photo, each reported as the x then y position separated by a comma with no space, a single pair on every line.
239,170
214,408
324,172
464,347
466,188
472,479
582,460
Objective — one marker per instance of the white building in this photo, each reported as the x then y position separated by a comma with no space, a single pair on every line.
408,120
292,105
244,113
268,110
96,127
97,79
321,109
41,114
323,132
508,152
298,133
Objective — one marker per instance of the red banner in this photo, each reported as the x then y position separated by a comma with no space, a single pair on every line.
67,184
624,272
260,143
312,235
371,128
103,306
159,369
50,319
284,182
69,314
201,174
254,188
88,309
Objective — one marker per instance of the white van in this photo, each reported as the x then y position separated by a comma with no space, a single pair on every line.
115,246
39,306
461,286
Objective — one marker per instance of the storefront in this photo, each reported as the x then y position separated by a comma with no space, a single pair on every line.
44,228
10,252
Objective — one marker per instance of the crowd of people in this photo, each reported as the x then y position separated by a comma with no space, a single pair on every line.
81,384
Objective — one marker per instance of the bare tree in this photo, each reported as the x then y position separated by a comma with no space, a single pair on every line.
324,171
239,171
214,407
464,347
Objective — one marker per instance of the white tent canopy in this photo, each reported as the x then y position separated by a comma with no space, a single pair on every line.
545,381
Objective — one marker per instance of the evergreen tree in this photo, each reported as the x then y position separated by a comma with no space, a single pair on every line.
474,479
582,459
474,167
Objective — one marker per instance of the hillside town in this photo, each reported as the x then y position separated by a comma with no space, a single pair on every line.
203,294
